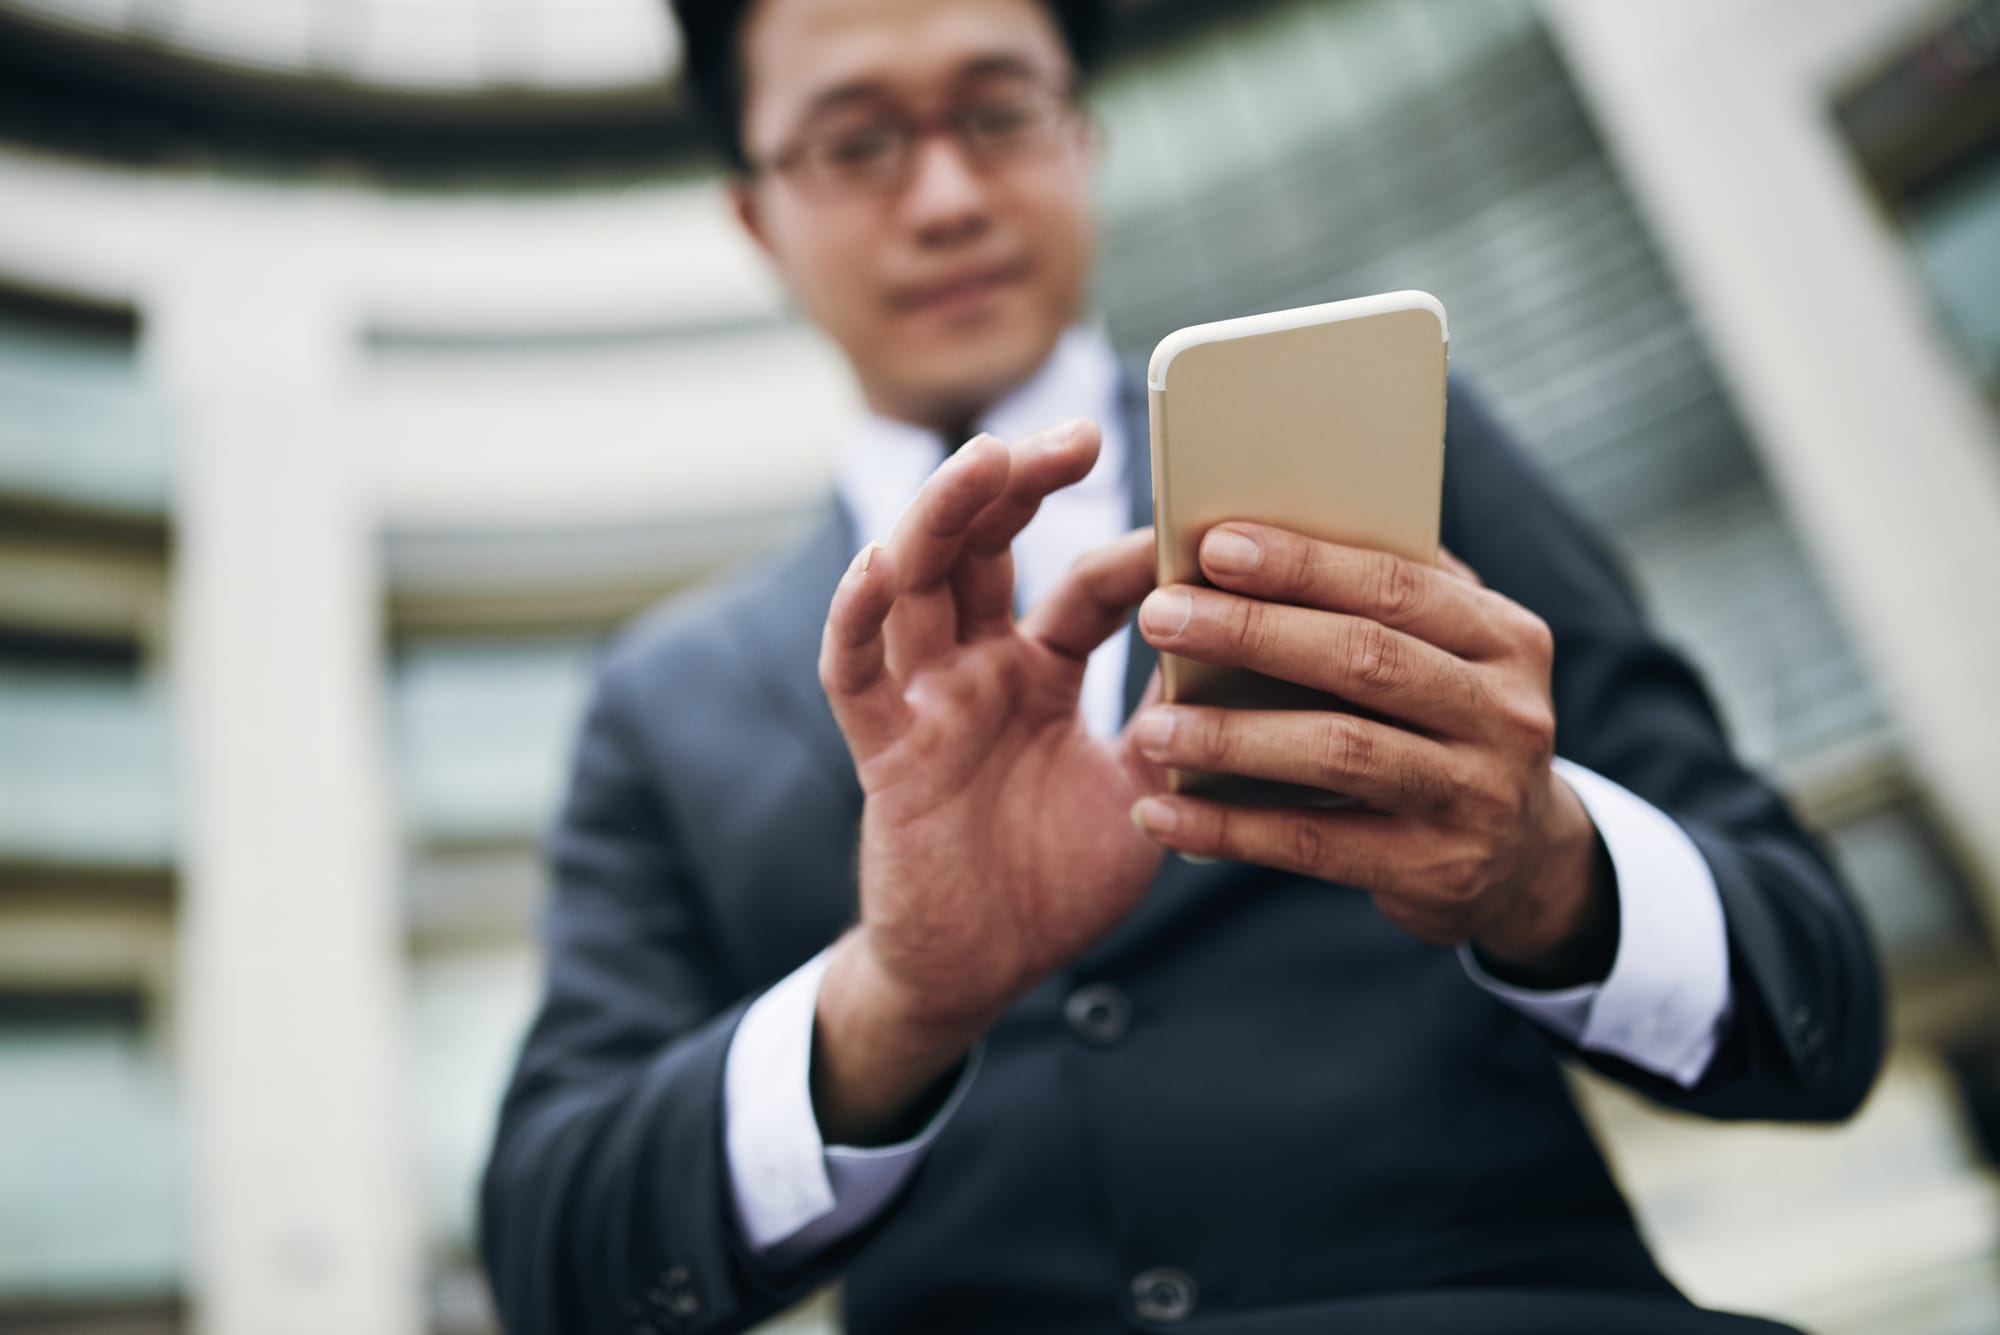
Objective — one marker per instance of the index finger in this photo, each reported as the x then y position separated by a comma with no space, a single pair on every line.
1277,565
931,532
1043,462
927,543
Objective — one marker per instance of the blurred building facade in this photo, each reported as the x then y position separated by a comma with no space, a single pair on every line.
360,372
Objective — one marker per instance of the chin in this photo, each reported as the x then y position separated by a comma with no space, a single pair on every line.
979,370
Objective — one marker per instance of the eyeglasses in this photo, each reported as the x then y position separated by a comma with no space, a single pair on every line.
871,157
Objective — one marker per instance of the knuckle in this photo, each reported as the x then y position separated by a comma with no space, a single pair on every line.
1377,657
1238,623
1537,641
1250,628
1306,841
1224,833
1532,720
1399,592
1481,699
1461,886
1301,565
1541,731
1505,808
1432,791
1343,749
1210,737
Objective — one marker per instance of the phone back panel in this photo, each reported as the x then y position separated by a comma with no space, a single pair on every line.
1332,427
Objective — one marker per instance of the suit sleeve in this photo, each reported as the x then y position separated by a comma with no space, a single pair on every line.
1805,1038
605,1205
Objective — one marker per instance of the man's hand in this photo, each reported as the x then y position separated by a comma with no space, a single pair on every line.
995,844
1466,833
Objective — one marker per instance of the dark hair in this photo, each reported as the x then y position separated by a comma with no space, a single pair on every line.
712,67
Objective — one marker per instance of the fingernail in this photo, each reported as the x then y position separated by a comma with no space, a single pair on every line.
1058,437
1154,817
1154,732
866,557
1166,613
1231,553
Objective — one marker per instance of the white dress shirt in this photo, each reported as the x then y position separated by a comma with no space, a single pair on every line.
1663,1007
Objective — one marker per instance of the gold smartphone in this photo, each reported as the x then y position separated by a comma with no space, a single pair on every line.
1326,420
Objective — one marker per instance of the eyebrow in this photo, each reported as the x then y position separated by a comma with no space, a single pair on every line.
866,90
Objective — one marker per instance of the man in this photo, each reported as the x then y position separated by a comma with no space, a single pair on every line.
864,958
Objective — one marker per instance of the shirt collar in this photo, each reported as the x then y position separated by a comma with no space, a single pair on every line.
883,462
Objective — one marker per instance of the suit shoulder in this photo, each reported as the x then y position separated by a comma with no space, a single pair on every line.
701,630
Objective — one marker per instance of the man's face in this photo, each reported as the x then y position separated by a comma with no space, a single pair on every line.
949,286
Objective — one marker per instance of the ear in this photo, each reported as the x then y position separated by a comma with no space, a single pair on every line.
744,204
1091,137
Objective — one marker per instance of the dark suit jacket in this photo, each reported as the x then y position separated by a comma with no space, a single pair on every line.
1317,1122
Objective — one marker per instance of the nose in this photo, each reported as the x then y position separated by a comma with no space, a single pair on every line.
945,198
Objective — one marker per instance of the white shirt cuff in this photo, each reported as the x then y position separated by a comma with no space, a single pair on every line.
793,1194
1666,1003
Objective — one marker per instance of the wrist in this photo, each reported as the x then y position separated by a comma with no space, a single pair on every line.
879,1061
1563,928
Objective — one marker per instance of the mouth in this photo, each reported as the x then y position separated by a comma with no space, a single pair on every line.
962,290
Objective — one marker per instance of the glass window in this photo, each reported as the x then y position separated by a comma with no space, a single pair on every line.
483,731
85,769
90,1156
1955,231
78,423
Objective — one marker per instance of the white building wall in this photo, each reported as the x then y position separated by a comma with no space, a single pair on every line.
290,933
294,448
1719,112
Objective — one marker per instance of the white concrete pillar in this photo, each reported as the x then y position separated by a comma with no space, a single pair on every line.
1873,429
291,974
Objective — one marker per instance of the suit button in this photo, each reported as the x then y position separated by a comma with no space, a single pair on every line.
1163,1295
1099,1014
1812,1034
675,1300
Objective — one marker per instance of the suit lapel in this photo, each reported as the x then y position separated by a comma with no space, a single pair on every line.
783,622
